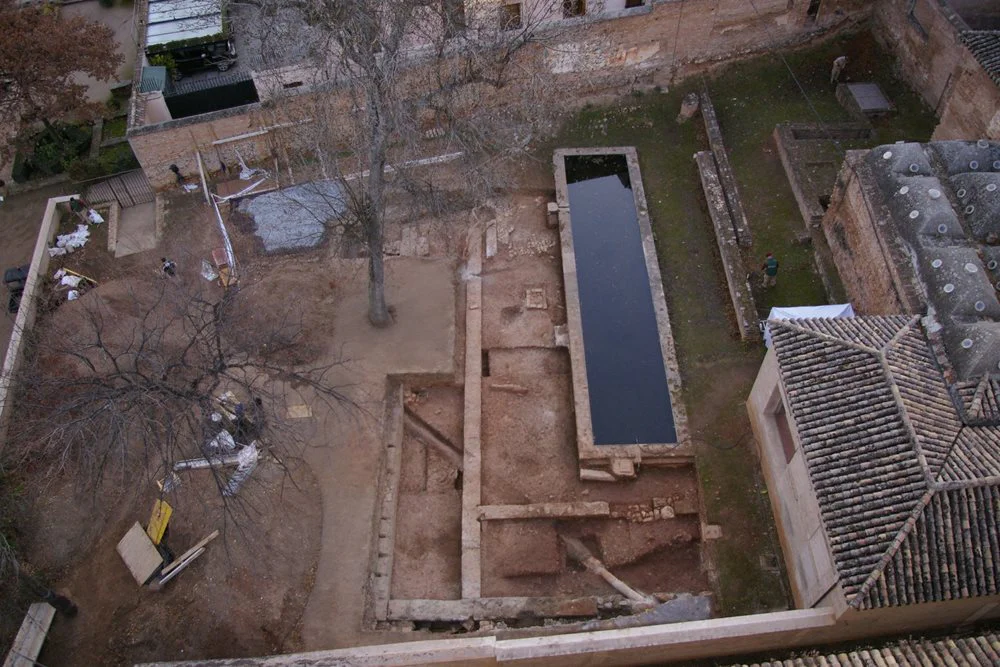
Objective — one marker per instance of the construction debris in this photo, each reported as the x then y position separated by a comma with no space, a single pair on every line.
247,459
578,552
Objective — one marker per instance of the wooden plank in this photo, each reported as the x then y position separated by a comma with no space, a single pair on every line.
182,566
180,561
544,511
31,636
139,554
162,511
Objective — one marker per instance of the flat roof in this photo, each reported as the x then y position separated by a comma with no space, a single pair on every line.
176,20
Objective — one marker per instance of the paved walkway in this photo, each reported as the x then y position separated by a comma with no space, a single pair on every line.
346,450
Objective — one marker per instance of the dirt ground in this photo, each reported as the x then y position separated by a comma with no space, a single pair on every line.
529,453
244,596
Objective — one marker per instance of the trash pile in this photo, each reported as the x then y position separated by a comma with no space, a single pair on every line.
67,243
75,283
224,450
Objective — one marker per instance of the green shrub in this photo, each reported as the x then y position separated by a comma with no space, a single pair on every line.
52,151
111,160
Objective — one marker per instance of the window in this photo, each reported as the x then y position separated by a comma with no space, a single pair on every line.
510,16
784,431
629,4
572,8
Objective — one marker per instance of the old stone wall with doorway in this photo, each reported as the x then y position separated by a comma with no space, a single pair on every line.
652,44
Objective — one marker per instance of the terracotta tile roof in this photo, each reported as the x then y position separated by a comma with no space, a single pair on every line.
978,651
985,48
898,477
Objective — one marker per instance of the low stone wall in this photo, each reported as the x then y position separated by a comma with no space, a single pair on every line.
25,318
725,235
730,189
804,149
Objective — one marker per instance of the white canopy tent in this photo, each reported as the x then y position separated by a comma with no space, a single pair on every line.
805,312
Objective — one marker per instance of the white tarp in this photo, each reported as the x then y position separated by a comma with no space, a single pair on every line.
805,312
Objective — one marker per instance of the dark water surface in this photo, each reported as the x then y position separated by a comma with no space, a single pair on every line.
629,399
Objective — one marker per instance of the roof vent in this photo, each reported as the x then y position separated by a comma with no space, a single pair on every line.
970,267
982,143
903,190
966,343
970,209
974,165
996,164
961,193
934,193
992,265
949,288
914,214
942,228
991,187
886,155
937,263
914,167
980,306
997,285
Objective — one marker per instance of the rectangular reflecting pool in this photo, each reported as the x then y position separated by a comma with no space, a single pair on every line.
625,384
629,400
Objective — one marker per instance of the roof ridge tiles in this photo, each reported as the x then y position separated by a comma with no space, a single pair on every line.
904,531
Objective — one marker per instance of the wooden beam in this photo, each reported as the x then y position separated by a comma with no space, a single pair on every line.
179,561
31,636
182,566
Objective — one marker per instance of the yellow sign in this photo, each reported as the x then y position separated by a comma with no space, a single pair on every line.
158,520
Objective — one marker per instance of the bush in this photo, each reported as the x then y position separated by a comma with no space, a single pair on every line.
52,151
111,160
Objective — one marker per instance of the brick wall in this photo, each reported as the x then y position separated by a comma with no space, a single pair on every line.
656,44
862,257
931,57
925,43
972,108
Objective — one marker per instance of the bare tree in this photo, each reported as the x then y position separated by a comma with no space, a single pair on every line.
127,382
39,55
393,82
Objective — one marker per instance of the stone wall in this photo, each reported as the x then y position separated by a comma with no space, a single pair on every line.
657,45
972,108
678,643
864,258
808,559
931,57
925,43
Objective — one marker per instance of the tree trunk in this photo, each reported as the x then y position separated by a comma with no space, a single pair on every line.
378,312
374,215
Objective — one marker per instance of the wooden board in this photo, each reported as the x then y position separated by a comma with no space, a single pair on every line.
31,636
140,554
158,521
187,554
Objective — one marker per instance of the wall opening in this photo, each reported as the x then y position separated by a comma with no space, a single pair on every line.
573,8
510,16
780,418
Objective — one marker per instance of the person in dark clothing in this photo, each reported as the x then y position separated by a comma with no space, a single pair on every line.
770,269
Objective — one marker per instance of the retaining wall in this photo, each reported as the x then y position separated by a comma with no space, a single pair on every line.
25,318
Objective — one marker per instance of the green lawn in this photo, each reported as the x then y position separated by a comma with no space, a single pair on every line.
752,97
716,367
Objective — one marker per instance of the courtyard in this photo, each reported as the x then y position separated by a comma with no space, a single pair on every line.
362,534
